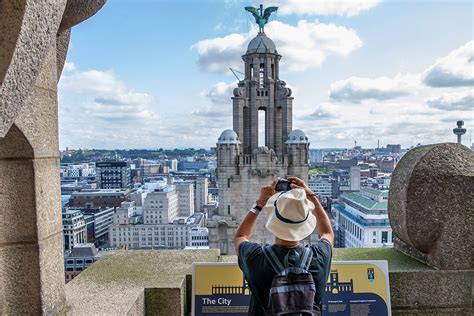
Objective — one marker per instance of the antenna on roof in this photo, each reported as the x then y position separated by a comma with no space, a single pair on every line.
234,72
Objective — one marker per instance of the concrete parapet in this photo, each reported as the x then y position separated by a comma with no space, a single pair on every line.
114,284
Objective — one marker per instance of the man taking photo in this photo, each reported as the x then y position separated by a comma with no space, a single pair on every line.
286,278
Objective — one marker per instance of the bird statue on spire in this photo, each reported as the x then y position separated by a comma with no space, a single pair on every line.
261,17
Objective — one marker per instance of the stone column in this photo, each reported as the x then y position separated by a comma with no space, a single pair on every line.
33,46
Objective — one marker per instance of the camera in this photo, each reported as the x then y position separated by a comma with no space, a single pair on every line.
283,185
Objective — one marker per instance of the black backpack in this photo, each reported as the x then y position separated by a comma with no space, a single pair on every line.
293,288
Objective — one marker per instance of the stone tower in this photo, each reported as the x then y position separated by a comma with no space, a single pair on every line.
243,167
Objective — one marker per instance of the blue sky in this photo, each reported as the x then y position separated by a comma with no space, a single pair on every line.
150,74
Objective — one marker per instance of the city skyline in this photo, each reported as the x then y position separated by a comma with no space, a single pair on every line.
390,71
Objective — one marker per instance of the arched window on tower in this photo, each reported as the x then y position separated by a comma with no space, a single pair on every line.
261,75
262,127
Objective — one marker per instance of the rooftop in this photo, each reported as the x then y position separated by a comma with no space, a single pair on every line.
374,191
365,202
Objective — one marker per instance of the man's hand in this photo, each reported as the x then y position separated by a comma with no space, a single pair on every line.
298,183
266,192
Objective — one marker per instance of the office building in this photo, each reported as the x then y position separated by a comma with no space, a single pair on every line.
130,231
94,198
201,193
113,175
362,217
186,199
321,185
74,228
80,258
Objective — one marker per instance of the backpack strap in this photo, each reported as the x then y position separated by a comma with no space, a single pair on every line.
307,256
296,256
272,258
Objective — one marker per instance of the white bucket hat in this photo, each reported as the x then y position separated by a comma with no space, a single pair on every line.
290,215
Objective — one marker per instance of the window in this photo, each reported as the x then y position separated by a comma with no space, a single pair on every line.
261,75
374,233
384,237
228,209
228,182
374,240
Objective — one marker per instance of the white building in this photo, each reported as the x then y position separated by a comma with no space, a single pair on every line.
198,237
174,165
161,206
74,228
321,185
316,155
202,194
174,235
362,219
159,226
185,191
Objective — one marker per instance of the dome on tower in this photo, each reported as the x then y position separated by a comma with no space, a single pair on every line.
228,137
297,136
261,44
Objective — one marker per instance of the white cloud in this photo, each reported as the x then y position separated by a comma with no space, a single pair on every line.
326,7
303,46
109,98
69,66
462,101
97,109
220,93
357,89
220,53
453,70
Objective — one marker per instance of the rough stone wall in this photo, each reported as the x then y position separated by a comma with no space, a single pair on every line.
431,205
34,36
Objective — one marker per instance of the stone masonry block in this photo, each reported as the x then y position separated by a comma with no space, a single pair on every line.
48,75
51,272
18,214
19,284
48,198
15,145
431,289
38,121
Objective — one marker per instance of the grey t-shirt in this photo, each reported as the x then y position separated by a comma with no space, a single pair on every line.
259,273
